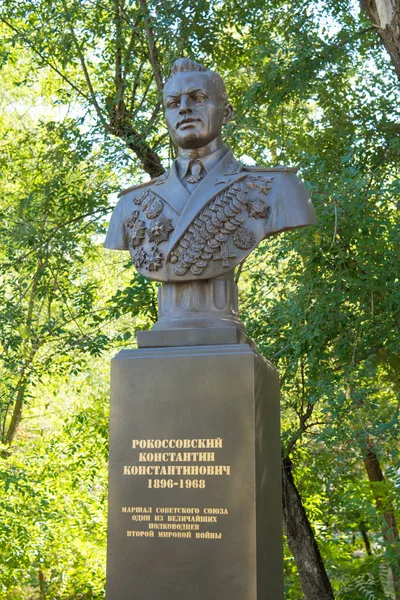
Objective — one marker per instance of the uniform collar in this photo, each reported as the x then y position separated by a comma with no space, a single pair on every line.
209,161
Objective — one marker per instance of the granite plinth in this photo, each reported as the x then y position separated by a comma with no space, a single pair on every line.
194,479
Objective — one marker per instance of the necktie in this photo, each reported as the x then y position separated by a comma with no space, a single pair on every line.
195,169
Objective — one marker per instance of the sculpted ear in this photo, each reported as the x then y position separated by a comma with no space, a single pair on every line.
228,112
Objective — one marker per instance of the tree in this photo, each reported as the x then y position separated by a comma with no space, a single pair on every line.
385,15
310,88
52,204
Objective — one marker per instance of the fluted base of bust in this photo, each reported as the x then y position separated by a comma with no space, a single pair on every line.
211,303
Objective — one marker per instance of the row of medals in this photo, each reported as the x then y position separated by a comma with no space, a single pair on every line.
204,239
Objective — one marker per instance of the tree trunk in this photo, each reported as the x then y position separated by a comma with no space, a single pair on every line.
17,413
121,127
364,535
385,15
314,580
42,585
389,530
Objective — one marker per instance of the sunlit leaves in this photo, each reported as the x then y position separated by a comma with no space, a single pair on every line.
310,88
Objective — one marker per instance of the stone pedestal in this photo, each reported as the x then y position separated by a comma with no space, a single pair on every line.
194,485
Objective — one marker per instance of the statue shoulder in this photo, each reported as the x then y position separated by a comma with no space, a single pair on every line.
143,186
279,178
278,169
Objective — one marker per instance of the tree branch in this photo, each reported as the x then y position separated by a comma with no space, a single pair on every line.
239,271
55,229
119,80
136,82
303,426
44,59
83,65
155,63
23,377
120,123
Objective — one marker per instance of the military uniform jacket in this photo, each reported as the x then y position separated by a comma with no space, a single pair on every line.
175,235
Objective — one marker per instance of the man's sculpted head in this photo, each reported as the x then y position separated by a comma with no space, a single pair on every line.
178,232
196,105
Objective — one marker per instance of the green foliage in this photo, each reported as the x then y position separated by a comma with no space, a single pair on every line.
53,200
80,114
53,490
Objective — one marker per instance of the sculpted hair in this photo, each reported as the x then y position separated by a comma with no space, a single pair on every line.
183,65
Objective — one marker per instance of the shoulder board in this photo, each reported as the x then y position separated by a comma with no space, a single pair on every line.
139,186
271,169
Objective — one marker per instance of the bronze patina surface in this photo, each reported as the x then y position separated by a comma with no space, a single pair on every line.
204,216
194,479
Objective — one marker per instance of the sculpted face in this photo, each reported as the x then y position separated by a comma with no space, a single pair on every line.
195,110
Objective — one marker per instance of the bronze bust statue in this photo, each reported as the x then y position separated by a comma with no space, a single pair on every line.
202,218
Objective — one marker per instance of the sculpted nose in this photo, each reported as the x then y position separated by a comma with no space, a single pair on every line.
184,107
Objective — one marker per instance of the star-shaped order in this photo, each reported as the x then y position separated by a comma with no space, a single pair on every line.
139,257
159,230
251,185
155,259
264,189
136,233
258,209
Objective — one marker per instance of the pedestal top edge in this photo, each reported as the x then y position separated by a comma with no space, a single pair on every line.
185,351
190,351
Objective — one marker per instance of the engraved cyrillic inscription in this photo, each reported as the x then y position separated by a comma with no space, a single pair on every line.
165,521
168,464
